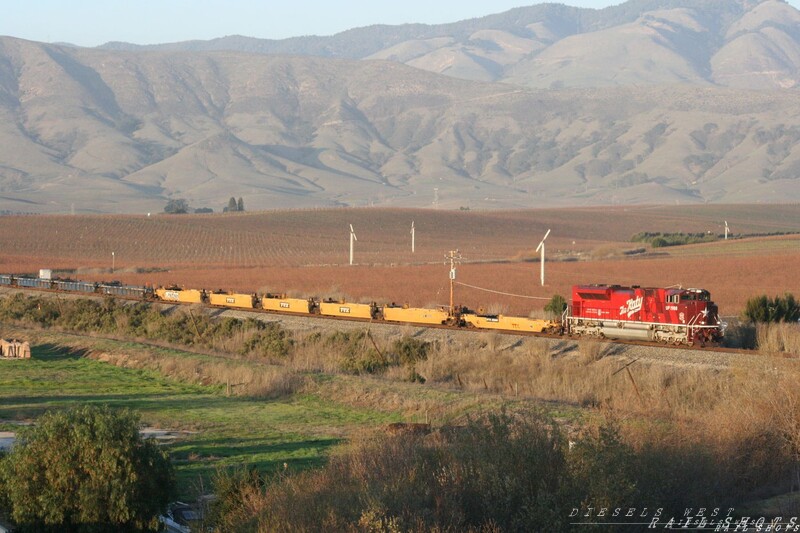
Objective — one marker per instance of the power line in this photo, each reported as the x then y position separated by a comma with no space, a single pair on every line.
499,292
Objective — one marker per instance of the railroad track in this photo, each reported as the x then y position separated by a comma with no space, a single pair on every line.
335,319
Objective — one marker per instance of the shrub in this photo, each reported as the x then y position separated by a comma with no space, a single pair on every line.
89,315
659,240
21,308
408,350
184,327
741,335
365,362
778,309
232,488
270,340
359,356
356,356
501,472
177,206
86,469
515,472
602,468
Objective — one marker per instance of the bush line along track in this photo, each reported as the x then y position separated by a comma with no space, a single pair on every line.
353,320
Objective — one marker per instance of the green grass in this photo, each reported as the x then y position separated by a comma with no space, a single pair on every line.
223,431
219,431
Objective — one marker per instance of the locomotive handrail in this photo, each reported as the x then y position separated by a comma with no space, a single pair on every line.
565,314
690,326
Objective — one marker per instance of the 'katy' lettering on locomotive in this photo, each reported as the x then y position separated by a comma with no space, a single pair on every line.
634,305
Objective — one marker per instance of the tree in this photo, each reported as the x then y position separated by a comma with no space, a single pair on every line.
86,469
232,205
240,204
177,207
555,307
659,242
778,309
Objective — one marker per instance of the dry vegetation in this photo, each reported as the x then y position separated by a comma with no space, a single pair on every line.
718,426
776,339
734,427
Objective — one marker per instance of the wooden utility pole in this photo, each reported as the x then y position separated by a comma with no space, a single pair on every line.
196,331
454,256
633,381
374,344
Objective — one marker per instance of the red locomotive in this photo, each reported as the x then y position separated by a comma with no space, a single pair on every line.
672,315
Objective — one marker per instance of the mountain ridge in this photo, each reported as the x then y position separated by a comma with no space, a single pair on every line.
474,48
139,128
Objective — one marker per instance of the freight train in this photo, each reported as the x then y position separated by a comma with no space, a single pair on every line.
666,315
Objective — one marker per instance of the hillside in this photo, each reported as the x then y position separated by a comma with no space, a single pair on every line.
751,44
102,130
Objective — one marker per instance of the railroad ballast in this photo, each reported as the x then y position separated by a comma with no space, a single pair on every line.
667,315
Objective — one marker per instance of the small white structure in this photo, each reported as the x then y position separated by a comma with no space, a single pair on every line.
541,247
45,273
352,239
15,349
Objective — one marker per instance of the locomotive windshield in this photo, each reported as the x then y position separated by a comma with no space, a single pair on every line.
700,296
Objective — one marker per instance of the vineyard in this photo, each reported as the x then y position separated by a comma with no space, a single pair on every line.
305,252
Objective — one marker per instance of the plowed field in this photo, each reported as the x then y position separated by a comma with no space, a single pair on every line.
306,252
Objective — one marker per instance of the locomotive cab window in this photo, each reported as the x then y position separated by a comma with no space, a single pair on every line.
594,296
701,296
673,298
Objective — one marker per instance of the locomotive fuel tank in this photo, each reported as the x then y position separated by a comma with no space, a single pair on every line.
637,332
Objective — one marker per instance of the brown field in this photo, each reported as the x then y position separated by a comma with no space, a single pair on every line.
305,252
